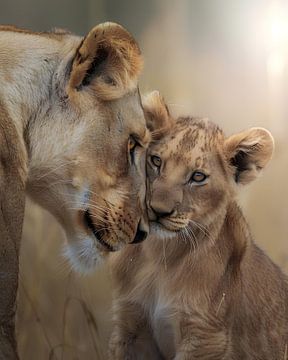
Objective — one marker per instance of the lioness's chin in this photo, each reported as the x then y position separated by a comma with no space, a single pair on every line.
83,254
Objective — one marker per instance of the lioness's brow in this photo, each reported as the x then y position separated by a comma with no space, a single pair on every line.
145,137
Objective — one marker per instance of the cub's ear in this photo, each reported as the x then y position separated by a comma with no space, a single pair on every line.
249,152
156,112
108,60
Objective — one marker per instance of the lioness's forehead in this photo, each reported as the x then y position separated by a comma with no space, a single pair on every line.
130,116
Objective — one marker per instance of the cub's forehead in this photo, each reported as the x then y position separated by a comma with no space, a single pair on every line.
190,137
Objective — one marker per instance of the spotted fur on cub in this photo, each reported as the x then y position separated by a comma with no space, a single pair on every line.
199,287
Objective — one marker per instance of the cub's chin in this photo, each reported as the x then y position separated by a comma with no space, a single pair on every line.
160,230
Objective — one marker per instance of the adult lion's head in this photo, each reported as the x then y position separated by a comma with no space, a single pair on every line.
87,144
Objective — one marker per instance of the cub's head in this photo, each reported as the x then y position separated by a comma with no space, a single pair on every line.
193,169
88,144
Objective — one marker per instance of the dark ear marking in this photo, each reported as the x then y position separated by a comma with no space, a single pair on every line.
239,161
248,153
96,65
108,60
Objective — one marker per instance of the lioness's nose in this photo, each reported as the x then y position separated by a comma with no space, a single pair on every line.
141,234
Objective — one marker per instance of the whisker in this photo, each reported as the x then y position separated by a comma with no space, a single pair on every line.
84,206
164,254
194,239
51,171
98,217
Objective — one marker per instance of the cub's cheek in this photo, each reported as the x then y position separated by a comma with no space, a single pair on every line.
151,215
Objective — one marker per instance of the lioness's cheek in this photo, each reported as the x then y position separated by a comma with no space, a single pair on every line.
76,183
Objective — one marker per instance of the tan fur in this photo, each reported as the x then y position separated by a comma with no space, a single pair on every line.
13,173
120,52
156,112
67,117
199,287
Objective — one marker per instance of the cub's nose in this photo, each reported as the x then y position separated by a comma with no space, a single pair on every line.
141,234
161,212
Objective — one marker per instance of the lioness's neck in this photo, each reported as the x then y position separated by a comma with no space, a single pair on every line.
28,63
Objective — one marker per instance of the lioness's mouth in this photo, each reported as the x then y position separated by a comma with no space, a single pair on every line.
96,233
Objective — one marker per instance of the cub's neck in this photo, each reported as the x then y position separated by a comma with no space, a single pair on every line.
223,243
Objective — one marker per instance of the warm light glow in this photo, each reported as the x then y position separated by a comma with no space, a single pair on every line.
277,26
275,63
277,47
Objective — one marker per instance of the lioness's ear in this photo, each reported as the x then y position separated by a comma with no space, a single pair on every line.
156,111
249,152
108,60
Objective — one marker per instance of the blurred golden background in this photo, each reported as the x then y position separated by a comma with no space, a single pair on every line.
226,60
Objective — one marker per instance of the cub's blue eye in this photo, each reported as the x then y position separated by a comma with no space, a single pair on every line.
198,177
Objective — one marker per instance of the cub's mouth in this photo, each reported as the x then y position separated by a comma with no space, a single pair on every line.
96,232
165,224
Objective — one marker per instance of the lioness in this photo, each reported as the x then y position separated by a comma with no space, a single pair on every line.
73,136
199,287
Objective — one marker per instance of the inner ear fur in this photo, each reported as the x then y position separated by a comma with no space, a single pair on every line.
248,153
156,112
108,60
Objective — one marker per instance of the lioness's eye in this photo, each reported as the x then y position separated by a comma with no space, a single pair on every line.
156,161
132,143
198,177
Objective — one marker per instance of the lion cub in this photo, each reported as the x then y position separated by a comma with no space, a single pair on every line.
199,287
